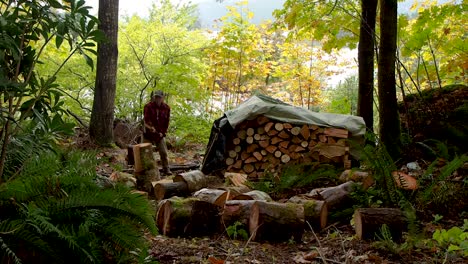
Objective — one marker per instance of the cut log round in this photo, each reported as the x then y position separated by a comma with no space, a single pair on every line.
368,222
249,140
237,149
195,180
236,141
229,161
214,196
285,158
278,154
242,134
169,189
250,131
315,211
237,211
295,131
258,155
173,216
304,144
146,170
279,126
232,154
254,195
205,219
275,221
248,168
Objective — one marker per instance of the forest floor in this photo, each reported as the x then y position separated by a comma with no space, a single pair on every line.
336,243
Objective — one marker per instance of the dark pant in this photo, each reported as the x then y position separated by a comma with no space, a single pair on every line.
162,149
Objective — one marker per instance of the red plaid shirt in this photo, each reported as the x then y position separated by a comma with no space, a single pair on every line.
157,117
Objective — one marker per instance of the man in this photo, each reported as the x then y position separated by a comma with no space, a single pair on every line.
156,117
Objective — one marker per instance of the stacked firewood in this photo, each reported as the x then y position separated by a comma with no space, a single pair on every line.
262,145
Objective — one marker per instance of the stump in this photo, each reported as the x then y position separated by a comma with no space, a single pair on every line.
173,216
254,195
237,211
276,221
216,197
315,211
166,190
195,180
368,222
146,169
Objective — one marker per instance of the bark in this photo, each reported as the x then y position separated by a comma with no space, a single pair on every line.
146,170
254,195
166,190
102,116
315,211
389,127
214,196
276,222
237,211
368,222
366,62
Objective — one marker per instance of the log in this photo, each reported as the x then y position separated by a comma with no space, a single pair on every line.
336,196
271,149
276,221
357,176
173,216
249,140
278,154
257,137
250,160
336,132
272,132
295,131
248,168
296,140
258,155
236,141
237,148
242,134
304,144
279,126
236,179
250,131
169,189
146,169
368,222
261,119
315,211
251,148
205,219
276,140
232,153
254,195
264,143
237,211
285,158
284,135
229,161
214,196
260,130
305,132
287,126
283,144
268,126
235,190
237,164
195,180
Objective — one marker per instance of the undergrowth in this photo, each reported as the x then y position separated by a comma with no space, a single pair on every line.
54,212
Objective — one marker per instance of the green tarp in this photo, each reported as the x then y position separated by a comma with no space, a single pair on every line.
274,109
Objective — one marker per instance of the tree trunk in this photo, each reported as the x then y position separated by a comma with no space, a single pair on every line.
368,222
276,221
254,195
102,116
389,127
366,62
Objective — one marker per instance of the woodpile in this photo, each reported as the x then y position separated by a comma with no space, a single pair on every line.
263,145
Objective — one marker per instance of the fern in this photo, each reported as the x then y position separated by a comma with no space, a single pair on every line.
58,212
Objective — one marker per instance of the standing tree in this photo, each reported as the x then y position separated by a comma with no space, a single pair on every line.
366,62
102,116
389,119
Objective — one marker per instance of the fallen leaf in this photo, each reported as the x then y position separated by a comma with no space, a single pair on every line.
311,255
300,258
214,260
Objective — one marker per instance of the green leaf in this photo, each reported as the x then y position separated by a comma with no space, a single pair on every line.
89,61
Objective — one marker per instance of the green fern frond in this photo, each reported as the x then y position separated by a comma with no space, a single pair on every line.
8,252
